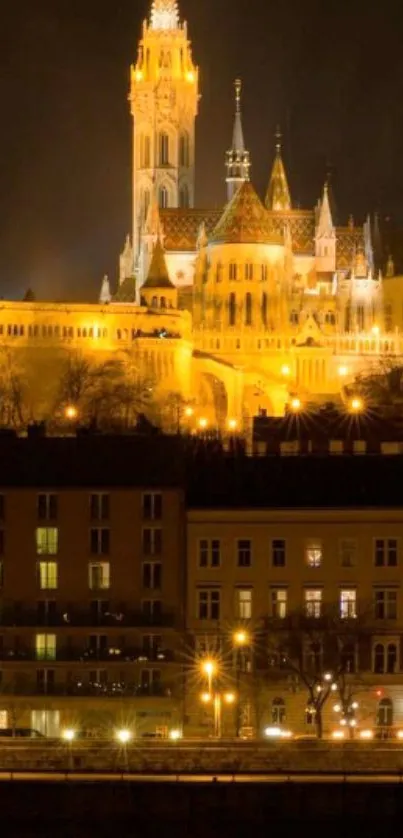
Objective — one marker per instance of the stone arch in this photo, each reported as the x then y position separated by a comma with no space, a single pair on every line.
214,397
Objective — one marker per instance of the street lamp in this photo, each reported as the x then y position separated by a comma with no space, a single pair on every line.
232,425
123,736
296,405
69,735
241,639
356,405
203,423
71,412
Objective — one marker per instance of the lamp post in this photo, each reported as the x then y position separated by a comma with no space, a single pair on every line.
209,668
241,640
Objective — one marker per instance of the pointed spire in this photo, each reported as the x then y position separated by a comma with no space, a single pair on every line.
325,221
158,276
153,225
164,15
105,295
238,162
126,261
278,196
245,221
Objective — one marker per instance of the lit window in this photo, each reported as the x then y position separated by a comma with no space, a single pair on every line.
348,604
99,575
348,552
278,598
48,573
244,604
313,554
313,603
47,539
386,552
45,645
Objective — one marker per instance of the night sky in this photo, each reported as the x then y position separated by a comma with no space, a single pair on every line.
330,72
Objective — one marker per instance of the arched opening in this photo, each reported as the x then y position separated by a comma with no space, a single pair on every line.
163,302
184,196
163,198
385,713
184,150
278,713
154,302
163,149
248,310
232,310
264,308
213,396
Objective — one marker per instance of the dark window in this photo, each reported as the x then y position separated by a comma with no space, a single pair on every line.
45,681
99,507
386,552
248,310
386,605
47,507
278,552
152,542
152,607
152,506
152,575
232,310
244,553
100,541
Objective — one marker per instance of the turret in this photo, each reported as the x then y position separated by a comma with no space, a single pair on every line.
238,160
325,237
278,198
158,291
105,295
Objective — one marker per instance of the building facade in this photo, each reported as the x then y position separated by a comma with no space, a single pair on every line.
251,304
92,591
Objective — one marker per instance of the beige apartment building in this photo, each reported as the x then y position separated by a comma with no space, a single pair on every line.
91,613
296,554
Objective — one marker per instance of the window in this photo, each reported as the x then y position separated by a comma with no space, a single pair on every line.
244,604
151,608
46,722
386,552
152,542
278,603
100,541
278,552
233,271
163,198
232,310
278,714
248,310
45,646
348,657
152,575
47,539
313,554
164,149
152,506
248,271
99,576
385,605
385,658
348,552
348,604
145,152
385,713
150,680
264,273
208,605
47,507
313,603
99,507
47,573
209,552
244,552
264,308
184,150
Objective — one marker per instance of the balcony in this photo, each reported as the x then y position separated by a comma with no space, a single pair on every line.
78,689
72,617
89,656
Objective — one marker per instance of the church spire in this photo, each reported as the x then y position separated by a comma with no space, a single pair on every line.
238,162
164,15
325,221
278,196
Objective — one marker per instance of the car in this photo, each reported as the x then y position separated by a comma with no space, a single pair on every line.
21,733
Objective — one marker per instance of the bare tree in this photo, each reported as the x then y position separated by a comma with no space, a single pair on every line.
12,391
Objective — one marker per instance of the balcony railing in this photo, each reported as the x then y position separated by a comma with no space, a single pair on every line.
87,655
77,689
118,618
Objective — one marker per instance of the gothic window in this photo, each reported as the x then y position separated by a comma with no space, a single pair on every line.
248,271
264,308
145,151
184,196
184,150
164,149
232,271
360,318
163,197
232,310
347,320
264,273
248,310
278,711
163,302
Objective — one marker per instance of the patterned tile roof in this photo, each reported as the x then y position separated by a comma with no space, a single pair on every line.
181,226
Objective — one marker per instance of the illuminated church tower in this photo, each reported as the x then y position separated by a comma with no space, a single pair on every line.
164,102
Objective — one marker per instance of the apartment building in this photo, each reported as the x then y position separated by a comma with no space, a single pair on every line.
92,584
304,554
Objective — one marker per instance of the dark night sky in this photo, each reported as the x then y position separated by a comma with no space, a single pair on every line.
330,72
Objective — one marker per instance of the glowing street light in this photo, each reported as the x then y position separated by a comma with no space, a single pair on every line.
232,424
203,423
343,371
209,668
69,734
229,698
375,330
285,370
123,736
71,412
356,405
296,405
205,698
241,638
189,412
175,735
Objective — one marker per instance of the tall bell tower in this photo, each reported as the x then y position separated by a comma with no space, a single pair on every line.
164,95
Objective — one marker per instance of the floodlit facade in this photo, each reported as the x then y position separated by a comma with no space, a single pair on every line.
244,307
